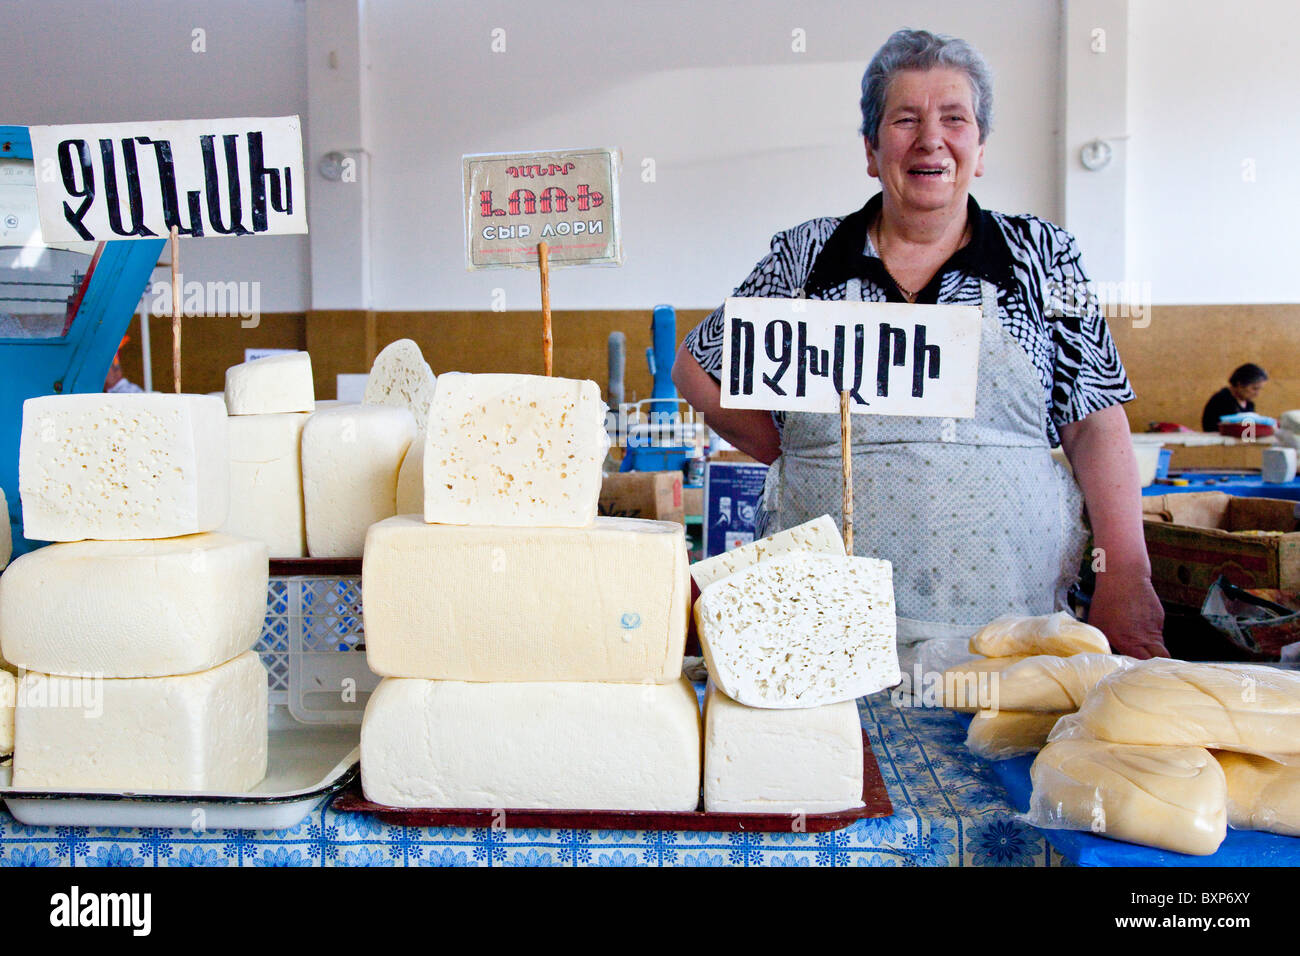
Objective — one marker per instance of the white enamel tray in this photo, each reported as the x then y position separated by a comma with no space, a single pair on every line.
304,765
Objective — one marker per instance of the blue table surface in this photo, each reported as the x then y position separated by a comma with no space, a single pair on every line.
1243,485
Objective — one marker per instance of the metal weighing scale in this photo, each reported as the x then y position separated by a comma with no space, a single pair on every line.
63,308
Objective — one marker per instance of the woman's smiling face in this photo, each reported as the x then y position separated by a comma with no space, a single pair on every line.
929,143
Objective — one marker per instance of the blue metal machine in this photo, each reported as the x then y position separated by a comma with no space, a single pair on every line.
664,442
63,309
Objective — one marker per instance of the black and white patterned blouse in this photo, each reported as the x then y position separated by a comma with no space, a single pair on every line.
1035,265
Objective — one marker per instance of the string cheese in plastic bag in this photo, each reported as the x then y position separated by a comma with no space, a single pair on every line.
1058,634
1008,733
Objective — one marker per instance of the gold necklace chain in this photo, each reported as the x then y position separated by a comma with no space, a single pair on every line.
909,295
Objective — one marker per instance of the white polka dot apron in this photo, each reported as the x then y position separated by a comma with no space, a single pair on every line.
977,526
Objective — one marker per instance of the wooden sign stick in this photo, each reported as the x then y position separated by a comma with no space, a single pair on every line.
176,310
544,263
846,453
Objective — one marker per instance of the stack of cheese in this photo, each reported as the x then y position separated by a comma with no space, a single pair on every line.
532,652
269,401
352,454
8,683
1167,753
135,630
1030,672
793,631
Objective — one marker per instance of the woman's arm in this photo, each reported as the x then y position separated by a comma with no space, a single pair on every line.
750,430
1124,605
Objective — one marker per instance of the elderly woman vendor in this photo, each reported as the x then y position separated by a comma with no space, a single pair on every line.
980,521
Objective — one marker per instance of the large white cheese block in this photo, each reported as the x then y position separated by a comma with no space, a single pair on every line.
801,630
514,450
758,760
266,482
1262,794
401,377
8,697
819,536
204,732
1059,634
1174,703
123,467
350,458
271,385
602,603
1174,798
410,479
134,608
6,533
561,746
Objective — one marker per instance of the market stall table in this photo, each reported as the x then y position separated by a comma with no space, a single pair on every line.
1243,485
950,810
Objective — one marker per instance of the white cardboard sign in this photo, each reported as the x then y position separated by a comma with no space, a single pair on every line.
893,358
219,177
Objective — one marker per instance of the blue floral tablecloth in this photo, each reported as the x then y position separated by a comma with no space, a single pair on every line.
949,810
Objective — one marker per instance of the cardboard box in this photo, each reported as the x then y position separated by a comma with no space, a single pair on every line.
1193,538
693,500
656,495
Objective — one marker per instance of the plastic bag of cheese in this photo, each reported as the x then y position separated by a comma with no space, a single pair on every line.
1160,702
1262,794
1173,798
1003,734
1041,683
1058,634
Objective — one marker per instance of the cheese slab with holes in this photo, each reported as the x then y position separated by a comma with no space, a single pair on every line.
123,467
134,608
819,536
401,377
204,732
351,455
801,630
758,760
266,482
522,450
481,603
271,385
538,745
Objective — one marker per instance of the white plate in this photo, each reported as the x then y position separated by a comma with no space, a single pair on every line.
304,764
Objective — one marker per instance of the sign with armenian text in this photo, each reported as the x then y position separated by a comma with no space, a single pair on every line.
565,198
892,358
218,177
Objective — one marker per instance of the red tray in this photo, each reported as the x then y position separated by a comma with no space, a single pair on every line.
874,795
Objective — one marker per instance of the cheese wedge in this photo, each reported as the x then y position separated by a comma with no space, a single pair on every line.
402,378
801,630
523,450
270,386
123,467
134,608
819,536
1173,798
204,732
758,760
480,603
410,479
559,746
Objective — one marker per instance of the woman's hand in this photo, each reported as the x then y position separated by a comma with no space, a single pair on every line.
1124,605
1125,608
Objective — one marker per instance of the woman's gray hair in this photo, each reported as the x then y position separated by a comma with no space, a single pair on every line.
922,50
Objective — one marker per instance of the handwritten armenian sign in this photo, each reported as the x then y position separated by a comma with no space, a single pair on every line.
567,199
892,358
220,177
